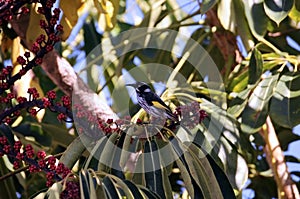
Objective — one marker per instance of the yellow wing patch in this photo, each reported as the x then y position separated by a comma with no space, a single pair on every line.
158,105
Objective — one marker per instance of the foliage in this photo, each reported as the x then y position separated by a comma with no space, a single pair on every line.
230,81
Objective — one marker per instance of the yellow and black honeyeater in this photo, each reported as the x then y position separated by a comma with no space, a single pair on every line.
151,102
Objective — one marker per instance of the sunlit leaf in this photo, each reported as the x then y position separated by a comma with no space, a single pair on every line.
107,10
34,30
238,104
295,11
54,191
226,15
5,43
70,15
211,138
256,112
277,10
240,82
256,16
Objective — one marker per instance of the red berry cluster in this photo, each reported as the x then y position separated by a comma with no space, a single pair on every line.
191,114
42,45
9,8
71,191
89,123
36,162
8,114
4,76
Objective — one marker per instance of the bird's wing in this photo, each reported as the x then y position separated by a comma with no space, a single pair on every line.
159,103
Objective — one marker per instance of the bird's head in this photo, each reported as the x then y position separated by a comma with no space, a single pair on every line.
140,87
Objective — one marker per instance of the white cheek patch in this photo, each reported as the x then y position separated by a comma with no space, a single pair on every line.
147,90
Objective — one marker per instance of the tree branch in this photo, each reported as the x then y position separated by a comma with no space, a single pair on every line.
287,188
63,75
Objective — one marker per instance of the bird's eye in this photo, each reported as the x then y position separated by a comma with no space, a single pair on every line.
147,90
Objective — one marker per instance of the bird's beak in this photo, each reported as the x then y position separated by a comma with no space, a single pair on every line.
133,85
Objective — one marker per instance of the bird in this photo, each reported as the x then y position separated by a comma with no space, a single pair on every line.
151,102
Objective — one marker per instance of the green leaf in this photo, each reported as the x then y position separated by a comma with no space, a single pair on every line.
293,159
59,133
153,172
111,189
202,172
222,179
7,187
122,187
285,137
221,138
84,183
256,16
35,130
277,10
238,104
256,112
125,153
234,164
264,187
295,12
134,189
219,121
255,66
185,173
92,187
207,5
226,15
242,26
149,194
284,107
240,82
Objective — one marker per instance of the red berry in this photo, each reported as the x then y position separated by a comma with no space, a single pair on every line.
61,117
39,61
41,154
27,54
21,60
51,94
33,112
21,99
